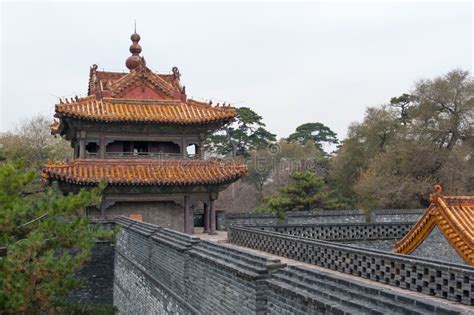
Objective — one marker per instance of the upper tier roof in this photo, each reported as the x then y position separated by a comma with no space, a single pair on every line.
138,96
454,215
144,172
145,111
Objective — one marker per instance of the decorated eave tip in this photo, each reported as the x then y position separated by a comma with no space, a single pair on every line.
438,189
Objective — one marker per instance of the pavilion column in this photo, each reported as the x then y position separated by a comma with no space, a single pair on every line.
82,144
212,218
102,146
187,228
200,148
184,145
82,148
103,206
206,218
76,151
191,219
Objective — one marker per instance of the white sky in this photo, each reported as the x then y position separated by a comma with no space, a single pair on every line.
291,63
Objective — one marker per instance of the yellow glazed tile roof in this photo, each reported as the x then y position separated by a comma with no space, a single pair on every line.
454,215
146,111
144,172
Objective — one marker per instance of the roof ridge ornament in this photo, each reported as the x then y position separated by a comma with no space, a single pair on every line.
135,61
435,196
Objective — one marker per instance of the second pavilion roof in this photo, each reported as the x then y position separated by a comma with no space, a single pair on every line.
454,215
144,172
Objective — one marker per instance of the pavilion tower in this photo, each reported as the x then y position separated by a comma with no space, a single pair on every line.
140,133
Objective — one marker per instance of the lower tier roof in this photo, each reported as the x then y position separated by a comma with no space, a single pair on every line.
144,172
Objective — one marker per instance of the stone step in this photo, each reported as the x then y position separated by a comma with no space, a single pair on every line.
169,237
241,255
229,249
238,268
229,260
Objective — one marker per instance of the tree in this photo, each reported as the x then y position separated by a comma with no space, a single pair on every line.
379,130
268,170
307,191
445,108
403,102
385,163
32,142
401,177
316,132
245,134
46,239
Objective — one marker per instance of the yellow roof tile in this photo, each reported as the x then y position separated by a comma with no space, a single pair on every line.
144,172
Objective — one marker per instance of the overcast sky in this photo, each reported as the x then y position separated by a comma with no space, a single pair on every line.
291,63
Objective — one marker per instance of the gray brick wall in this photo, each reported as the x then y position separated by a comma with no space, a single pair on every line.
98,273
321,217
344,231
325,216
445,280
396,215
189,275
136,292
160,271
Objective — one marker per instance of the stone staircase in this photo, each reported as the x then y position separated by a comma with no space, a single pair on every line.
251,264
325,292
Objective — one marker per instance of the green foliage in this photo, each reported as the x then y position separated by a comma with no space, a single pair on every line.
394,157
239,138
107,234
33,143
315,132
307,191
403,102
46,240
272,165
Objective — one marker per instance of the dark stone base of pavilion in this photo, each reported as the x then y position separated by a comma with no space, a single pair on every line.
170,206
172,214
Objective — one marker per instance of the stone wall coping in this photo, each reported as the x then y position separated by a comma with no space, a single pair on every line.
250,215
398,257
398,211
321,212
309,225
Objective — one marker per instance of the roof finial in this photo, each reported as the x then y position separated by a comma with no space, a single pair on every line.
135,26
134,60
438,189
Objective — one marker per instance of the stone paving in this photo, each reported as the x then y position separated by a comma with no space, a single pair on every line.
221,236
